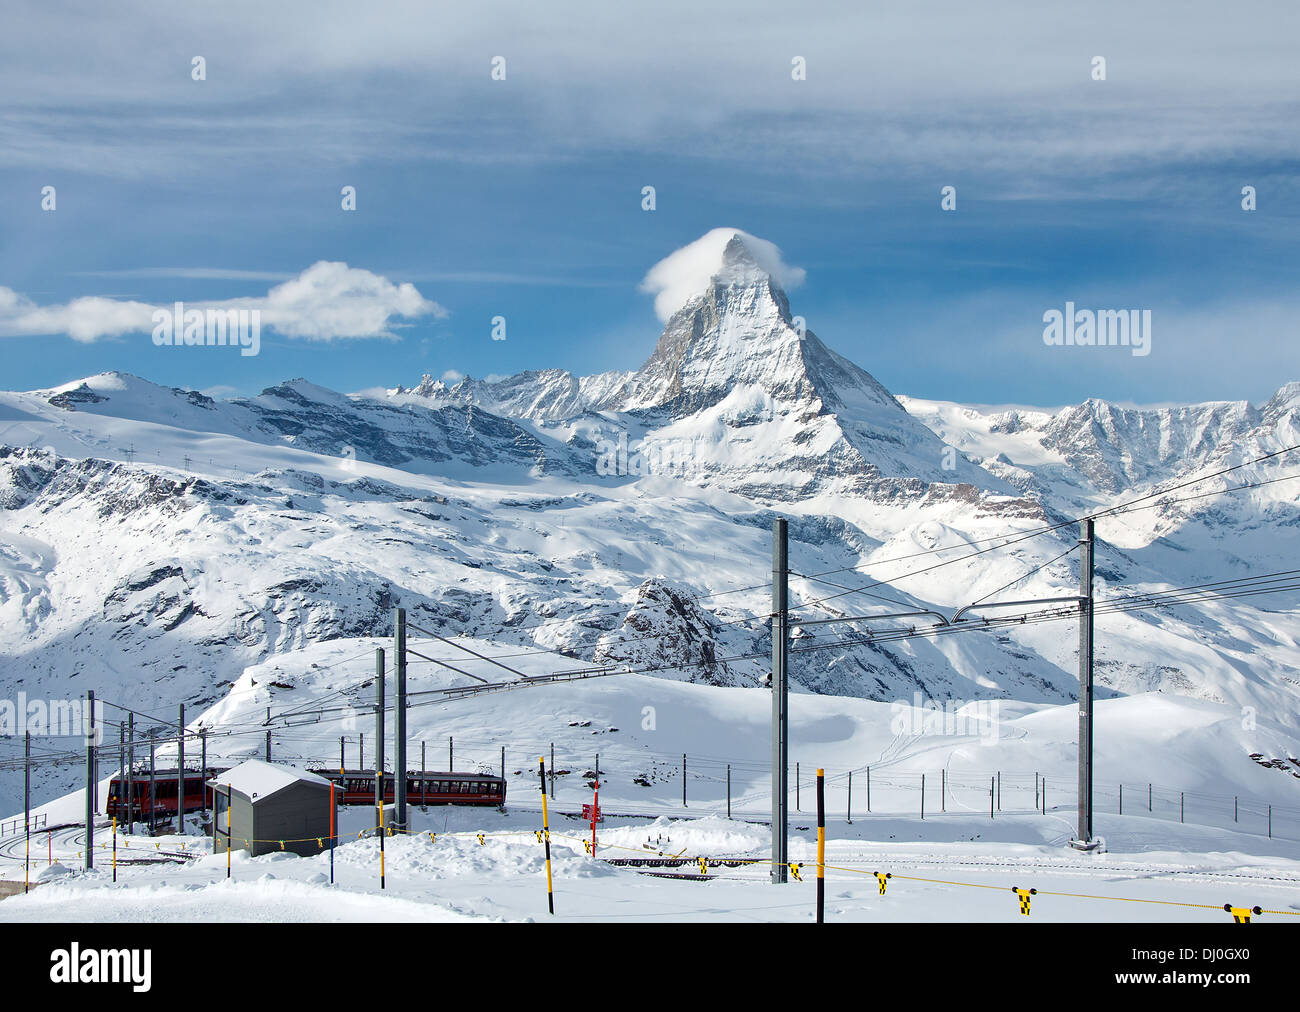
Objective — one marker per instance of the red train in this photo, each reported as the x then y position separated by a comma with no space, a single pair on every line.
423,787
355,787
163,799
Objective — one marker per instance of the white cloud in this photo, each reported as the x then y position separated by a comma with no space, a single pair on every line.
331,299
689,270
328,300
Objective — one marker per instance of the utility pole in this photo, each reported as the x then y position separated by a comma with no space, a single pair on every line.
27,804
379,734
1085,839
130,769
89,728
203,777
180,772
780,698
399,645
153,785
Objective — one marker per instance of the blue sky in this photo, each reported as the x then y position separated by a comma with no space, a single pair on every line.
522,198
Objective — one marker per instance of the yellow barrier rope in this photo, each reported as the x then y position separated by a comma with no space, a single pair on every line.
795,867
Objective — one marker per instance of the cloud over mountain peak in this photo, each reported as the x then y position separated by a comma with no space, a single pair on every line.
718,253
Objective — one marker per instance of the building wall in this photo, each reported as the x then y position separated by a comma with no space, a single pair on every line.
241,822
298,815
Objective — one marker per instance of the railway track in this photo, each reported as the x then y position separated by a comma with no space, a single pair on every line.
69,842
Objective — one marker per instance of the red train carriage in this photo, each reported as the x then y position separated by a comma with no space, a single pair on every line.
355,787
162,802
423,787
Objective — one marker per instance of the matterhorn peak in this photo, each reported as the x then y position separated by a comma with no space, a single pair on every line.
726,256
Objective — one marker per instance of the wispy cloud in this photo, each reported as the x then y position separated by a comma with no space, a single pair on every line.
189,274
928,83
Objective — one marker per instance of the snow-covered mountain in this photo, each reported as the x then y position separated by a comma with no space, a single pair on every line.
155,543
756,403
1095,452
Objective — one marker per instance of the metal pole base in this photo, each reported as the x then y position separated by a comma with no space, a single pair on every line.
1094,846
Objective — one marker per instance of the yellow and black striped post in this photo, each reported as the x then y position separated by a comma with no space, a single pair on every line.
883,877
379,790
1024,895
229,794
1241,915
546,835
821,846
